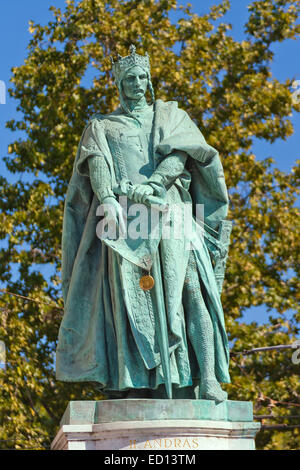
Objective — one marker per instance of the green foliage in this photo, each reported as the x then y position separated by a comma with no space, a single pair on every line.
227,88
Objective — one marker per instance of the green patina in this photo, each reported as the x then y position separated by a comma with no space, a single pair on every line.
107,411
113,333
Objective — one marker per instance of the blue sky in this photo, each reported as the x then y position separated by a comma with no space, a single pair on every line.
14,37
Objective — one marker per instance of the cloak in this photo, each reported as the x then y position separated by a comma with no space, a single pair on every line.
107,334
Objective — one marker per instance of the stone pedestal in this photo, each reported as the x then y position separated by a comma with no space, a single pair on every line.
142,424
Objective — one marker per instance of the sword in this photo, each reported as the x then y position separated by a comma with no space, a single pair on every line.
155,202
125,188
163,329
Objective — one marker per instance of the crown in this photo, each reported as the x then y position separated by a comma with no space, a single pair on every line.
124,63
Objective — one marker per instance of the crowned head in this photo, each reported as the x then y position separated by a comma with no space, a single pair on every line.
123,66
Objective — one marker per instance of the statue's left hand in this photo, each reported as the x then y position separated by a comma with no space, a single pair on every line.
139,192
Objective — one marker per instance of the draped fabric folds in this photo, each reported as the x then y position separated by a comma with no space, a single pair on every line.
108,331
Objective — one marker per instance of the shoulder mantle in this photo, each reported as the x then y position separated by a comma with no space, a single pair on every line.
166,105
100,121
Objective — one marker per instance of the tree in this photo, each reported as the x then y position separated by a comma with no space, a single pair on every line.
227,88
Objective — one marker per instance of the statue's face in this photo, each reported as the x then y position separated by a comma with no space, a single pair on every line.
135,83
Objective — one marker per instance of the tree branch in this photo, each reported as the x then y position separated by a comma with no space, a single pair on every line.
263,349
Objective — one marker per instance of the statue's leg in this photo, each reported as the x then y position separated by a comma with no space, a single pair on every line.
201,333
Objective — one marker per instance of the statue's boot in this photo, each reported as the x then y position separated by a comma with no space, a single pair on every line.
210,389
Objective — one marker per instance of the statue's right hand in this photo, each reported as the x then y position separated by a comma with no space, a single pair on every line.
114,213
